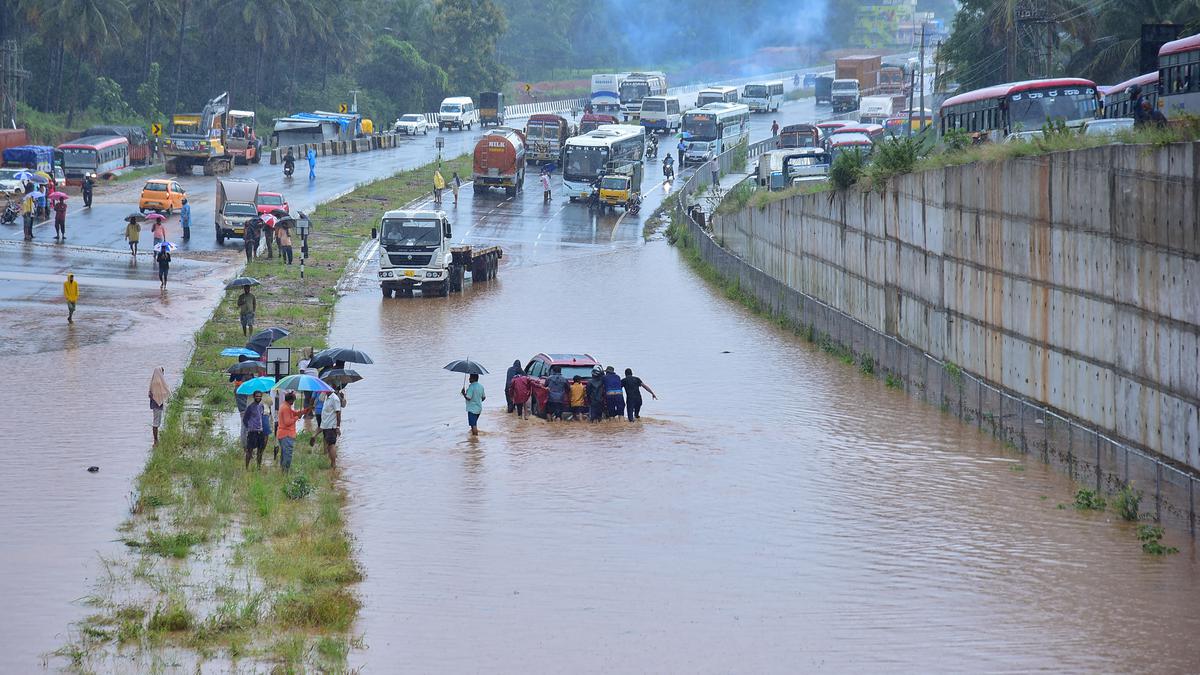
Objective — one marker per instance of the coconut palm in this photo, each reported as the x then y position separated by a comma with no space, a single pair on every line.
1114,56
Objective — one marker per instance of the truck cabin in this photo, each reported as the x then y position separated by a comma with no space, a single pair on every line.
874,131
808,165
593,121
827,128
800,136
413,230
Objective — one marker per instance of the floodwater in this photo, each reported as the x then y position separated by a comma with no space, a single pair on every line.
774,511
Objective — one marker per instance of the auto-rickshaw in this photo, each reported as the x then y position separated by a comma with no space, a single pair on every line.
621,187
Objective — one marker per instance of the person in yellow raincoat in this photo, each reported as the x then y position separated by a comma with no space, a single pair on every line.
71,293
439,184
133,232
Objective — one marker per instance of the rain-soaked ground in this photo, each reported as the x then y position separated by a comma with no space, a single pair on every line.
774,511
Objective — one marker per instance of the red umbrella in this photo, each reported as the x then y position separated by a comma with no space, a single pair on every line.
155,216
57,195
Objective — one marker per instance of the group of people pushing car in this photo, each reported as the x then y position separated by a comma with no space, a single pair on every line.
605,394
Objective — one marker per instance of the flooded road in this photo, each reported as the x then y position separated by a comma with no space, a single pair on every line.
775,511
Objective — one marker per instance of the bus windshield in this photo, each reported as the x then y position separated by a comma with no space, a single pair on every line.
1031,109
634,91
584,162
79,157
755,91
409,232
701,127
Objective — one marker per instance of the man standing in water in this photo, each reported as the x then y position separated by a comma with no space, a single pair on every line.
331,424
633,394
473,393
252,424
71,293
513,371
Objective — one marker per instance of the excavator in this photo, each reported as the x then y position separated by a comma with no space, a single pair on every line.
203,139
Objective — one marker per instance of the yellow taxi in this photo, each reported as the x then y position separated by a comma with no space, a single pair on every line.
161,195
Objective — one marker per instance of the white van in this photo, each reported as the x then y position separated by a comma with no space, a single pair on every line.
662,113
457,112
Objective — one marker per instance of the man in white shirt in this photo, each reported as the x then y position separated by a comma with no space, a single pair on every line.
331,424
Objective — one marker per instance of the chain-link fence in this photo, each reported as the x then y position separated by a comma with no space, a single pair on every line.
1089,456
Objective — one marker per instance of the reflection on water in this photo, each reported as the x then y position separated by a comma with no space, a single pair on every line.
775,511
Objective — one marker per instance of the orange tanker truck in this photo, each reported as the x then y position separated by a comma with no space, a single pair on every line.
500,161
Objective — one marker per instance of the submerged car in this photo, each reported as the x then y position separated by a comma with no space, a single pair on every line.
538,369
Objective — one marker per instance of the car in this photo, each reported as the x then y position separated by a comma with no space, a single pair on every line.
1107,127
538,369
269,201
411,124
1024,136
8,180
161,195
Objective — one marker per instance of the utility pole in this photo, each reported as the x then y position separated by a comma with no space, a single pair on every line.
354,104
922,68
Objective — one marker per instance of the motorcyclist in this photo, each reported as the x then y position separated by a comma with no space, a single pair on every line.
289,162
653,152
669,167
796,80
89,182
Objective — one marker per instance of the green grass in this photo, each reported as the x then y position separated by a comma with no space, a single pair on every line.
196,499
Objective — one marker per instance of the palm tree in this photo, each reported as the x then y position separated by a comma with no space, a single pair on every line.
154,19
1115,56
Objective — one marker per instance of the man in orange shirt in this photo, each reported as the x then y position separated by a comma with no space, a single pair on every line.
286,431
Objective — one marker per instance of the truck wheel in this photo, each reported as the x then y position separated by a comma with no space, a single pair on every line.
220,238
257,157
426,131
510,191
387,292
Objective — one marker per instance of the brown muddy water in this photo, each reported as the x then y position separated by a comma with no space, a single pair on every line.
775,511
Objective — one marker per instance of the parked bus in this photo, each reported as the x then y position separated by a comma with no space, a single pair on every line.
763,96
716,95
606,92
637,87
139,140
997,111
1179,76
843,143
94,154
902,125
713,129
1119,99
545,136
586,157
662,113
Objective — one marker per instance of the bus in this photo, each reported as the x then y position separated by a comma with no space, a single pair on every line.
94,154
587,157
908,122
997,111
606,88
1119,99
713,129
1179,76
662,113
637,87
545,135
716,95
763,96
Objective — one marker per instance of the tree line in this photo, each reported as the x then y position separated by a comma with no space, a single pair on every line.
1096,39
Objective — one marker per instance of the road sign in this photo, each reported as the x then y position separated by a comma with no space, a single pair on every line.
279,361
156,129
342,108
528,88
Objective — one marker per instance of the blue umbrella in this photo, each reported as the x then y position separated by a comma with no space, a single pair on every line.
23,175
240,351
302,383
263,384
165,245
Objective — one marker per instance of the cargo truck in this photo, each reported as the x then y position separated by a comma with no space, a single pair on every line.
864,69
499,161
845,95
415,253
491,108
237,202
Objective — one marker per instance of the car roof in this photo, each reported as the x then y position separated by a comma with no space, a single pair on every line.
265,193
568,359
158,180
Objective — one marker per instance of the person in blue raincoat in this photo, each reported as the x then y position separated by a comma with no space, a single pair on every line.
312,163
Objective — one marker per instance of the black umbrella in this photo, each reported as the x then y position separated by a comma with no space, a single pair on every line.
328,357
242,281
263,339
274,332
246,368
341,377
136,217
280,213
465,366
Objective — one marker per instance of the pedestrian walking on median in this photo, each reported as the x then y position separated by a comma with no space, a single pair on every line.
185,219
439,184
455,184
28,205
556,389
133,232
633,394
268,235
614,400
159,391
285,244
89,184
312,164
60,219
250,238
522,388
252,428
545,186
247,304
474,395
71,294
163,258
331,424
286,431
513,371
595,395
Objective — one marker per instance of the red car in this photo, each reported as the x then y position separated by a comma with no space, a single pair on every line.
269,201
538,369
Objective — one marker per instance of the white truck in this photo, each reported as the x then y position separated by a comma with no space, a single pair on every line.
237,202
844,95
875,109
415,253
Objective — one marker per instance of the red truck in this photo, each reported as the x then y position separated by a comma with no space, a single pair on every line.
500,161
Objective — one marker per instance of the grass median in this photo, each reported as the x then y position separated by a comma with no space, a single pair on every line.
230,565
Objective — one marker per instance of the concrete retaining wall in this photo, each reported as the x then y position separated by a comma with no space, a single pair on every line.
1071,279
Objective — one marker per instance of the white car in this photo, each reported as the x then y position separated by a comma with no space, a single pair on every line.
1108,127
1024,136
411,124
8,182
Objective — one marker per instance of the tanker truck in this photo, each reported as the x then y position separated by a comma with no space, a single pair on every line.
500,161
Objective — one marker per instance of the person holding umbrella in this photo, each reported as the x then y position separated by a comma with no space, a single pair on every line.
252,426
60,215
162,256
474,395
285,243
158,229
247,304
27,207
133,232
286,431
159,391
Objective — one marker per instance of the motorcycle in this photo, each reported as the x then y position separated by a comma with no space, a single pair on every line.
289,168
652,151
10,214
669,170
634,205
